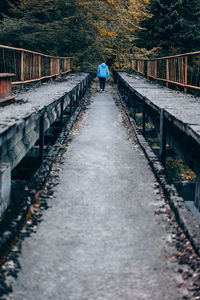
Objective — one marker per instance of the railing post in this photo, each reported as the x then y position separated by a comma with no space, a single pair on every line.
118,82
145,68
58,68
34,68
5,187
6,87
124,93
179,67
162,137
70,64
86,83
22,68
144,116
71,103
61,66
131,103
40,68
156,68
167,72
77,97
51,67
41,138
148,69
61,112
80,91
186,72
134,106
197,192
128,98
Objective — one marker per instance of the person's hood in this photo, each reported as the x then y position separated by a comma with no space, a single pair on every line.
103,65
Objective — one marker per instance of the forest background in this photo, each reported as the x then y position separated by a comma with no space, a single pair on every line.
94,30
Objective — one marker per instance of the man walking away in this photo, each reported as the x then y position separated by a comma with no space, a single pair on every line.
102,74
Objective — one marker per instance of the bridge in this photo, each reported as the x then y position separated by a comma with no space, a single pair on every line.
83,174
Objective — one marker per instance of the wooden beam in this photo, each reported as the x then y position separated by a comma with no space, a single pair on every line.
162,137
186,73
41,139
22,68
144,116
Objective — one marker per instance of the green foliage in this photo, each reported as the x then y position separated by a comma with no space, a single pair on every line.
91,31
176,170
49,26
173,26
114,22
21,33
5,7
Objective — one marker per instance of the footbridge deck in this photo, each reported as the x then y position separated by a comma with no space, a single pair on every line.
107,233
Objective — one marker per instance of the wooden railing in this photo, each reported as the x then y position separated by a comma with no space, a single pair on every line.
29,66
183,69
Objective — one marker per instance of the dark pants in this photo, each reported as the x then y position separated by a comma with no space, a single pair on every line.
102,82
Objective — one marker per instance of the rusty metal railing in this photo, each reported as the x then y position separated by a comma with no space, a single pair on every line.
183,69
29,66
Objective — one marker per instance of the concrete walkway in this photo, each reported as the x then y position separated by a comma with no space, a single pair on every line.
101,239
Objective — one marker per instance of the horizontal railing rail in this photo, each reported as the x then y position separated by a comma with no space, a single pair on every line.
29,66
182,69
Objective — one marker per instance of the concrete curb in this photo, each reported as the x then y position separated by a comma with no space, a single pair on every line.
15,218
184,217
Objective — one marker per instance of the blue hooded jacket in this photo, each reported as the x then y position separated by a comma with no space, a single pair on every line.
103,71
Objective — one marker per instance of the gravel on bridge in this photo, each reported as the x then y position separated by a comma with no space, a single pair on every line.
101,238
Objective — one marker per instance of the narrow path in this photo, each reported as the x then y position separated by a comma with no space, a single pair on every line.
101,239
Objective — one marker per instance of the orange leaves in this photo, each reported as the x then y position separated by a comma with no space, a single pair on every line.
103,32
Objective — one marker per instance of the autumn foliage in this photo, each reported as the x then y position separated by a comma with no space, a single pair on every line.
94,30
